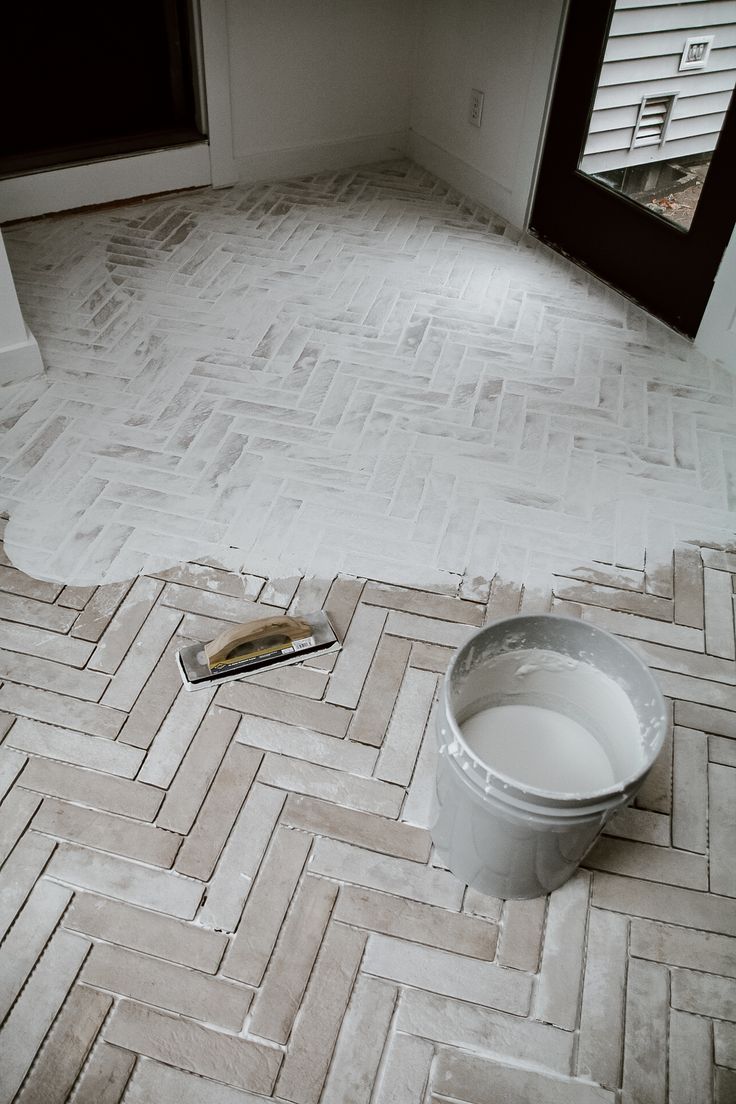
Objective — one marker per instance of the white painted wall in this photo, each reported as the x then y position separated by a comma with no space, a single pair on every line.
19,355
507,49
318,83
716,336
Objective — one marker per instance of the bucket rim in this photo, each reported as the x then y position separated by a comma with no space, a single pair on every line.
512,788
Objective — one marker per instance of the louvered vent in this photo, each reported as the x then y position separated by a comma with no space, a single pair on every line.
654,117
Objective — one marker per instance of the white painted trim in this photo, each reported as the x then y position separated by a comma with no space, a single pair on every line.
19,362
716,336
216,62
12,326
553,21
300,160
19,355
104,181
467,179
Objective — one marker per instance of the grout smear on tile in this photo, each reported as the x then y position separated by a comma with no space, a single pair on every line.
356,408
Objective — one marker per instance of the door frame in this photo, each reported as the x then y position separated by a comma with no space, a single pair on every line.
580,54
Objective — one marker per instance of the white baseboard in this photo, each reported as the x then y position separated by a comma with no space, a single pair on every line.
468,180
19,362
42,193
301,160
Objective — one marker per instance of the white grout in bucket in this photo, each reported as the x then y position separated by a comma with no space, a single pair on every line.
539,747
553,723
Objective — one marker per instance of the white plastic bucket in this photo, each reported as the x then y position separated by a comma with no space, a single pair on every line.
507,838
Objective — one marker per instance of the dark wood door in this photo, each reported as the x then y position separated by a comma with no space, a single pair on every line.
632,239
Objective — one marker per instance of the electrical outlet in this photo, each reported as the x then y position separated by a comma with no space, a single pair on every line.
476,107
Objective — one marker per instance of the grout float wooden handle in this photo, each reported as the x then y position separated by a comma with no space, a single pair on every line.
255,639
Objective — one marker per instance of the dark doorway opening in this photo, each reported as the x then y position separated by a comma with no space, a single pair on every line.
87,81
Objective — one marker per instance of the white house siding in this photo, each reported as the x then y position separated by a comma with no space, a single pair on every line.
642,58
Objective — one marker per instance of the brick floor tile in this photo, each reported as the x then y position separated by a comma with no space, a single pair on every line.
522,931
154,701
705,718
406,729
41,615
47,675
690,791
174,737
424,603
450,974
165,985
367,794
659,902
600,1047
246,697
719,625
722,750
125,880
352,826
722,826
691,1048
199,766
189,1046
60,709
382,685
45,645
345,862
76,748
99,611
354,661
267,906
688,586
291,963
704,994
201,849
725,1044
104,1078
477,1079
35,1010
70,1040
133,672
140,929
16,812
124,836
123,628
560,976
680,946
93,788
241,858
406,1071
420,923
168,1085
462,1024
27,939
303,743
645,1044
660,864
308,1057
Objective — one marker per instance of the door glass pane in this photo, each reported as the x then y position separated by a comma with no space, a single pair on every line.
666,81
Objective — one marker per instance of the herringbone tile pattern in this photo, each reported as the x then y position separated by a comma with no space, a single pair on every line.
231,897
357,372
